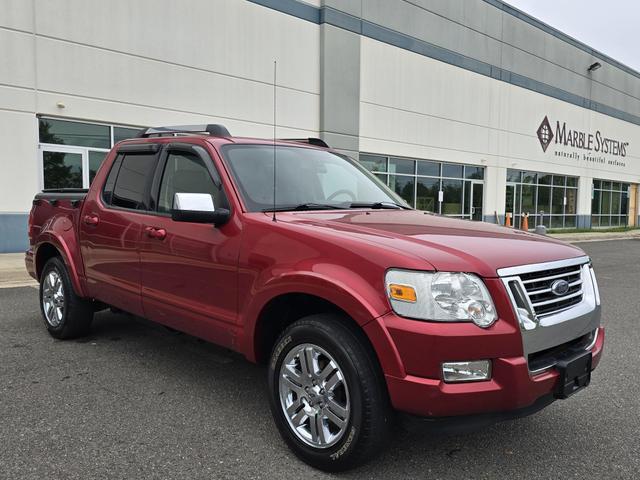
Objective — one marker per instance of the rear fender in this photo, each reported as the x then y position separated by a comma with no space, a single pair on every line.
60,233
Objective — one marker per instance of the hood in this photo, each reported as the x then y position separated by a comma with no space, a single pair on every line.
448,244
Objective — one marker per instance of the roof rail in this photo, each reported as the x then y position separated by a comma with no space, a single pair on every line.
212,129
318,142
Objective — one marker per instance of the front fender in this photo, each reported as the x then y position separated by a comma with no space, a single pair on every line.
358,298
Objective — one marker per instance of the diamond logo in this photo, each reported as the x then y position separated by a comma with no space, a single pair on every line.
545,135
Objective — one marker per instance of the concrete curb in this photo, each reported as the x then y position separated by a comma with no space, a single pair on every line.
596,236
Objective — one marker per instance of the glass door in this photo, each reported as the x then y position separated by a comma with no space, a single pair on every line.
512,203
69,167
477,193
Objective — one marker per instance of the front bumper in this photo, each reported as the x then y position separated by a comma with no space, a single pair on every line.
512,386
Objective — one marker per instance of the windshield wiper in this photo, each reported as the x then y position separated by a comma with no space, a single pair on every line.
317,206
304,206
379,205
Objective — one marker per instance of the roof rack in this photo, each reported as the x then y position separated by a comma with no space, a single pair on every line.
212,129
318,142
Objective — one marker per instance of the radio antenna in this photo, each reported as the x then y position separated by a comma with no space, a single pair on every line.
275,69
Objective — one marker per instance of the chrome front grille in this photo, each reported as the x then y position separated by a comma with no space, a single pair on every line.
550,322
538,286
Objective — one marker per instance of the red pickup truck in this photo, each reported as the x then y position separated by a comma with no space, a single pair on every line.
359,305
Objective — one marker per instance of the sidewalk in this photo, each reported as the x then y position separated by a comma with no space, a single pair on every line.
13,272
596,236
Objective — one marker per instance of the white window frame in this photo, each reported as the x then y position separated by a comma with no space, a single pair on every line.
84,151
63,148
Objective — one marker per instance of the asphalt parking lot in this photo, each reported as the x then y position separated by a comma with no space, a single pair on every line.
135,401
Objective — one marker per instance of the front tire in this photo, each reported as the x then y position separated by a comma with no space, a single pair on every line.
327,394
65,314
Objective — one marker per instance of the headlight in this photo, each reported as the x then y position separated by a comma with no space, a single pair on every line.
441,297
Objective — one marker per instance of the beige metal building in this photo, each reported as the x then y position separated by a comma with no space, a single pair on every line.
469,108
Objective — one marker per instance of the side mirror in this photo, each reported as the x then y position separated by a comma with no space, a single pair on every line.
198,208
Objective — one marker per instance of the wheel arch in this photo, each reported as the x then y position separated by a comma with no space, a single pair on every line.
49,248
284,309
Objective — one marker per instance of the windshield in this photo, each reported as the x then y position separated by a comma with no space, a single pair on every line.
306,179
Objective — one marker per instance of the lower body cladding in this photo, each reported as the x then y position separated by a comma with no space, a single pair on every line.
423,348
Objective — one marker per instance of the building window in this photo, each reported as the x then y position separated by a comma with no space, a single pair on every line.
550,200
62,170
124,133
72,151
63,132
609,204
452,189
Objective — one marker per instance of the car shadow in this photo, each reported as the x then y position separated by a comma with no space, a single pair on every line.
235,392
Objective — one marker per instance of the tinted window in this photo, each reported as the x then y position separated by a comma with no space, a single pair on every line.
95,160
513,175
475,173
431,169
531,177
451,170
122,133
74,133
185,172
374,163
402,165
62,170
107,191
135,172
403,186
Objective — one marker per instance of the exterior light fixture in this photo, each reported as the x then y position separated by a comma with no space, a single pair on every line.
594,67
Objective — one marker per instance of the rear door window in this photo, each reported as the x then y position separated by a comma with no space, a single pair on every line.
132,181
107,191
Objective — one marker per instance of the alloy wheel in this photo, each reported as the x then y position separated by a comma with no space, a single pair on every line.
53,298
314,396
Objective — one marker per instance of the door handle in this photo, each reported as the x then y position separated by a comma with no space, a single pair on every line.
91,219
160,233
154,232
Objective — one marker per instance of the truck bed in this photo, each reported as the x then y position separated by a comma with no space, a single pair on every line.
56,209
58,194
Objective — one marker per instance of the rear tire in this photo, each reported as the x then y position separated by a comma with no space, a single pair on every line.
327,394
65,314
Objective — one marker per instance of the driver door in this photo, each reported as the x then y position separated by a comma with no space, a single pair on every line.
189,270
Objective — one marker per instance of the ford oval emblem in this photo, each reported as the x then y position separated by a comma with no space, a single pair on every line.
560,288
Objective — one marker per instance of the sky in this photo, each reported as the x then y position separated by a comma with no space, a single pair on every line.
610,26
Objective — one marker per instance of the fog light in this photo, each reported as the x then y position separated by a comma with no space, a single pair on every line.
474,371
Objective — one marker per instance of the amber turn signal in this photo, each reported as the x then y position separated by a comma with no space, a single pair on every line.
404,293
